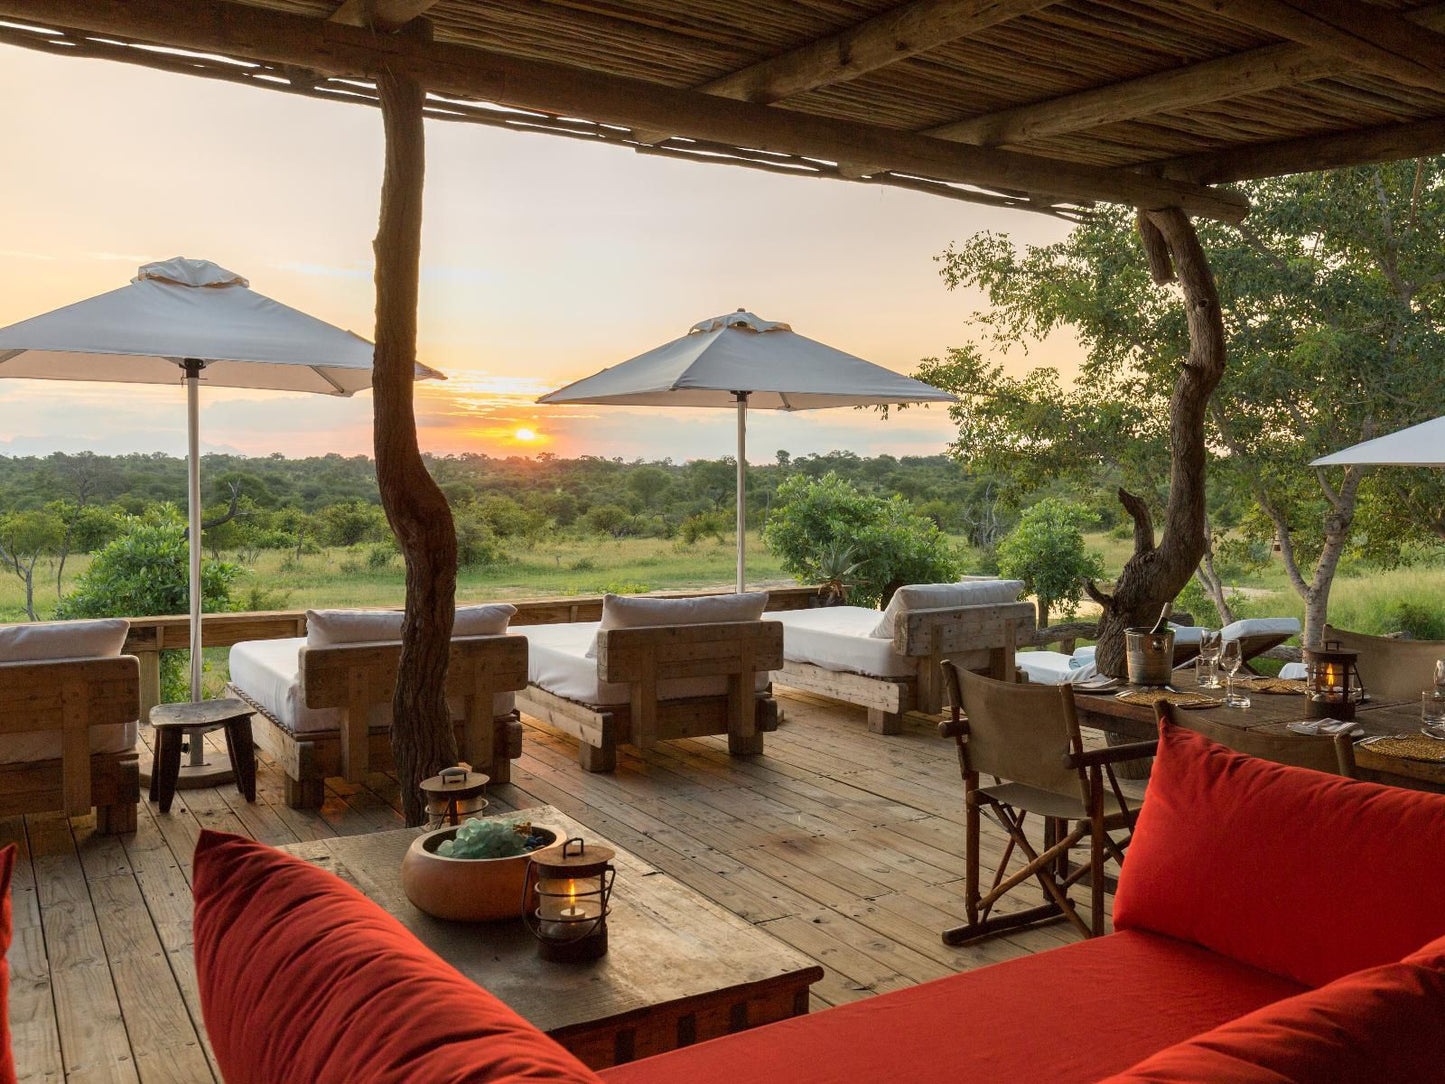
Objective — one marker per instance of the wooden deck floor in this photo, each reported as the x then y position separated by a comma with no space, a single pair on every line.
845,844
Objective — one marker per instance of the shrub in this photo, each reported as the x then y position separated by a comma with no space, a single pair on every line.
477,544
146,572
381,555
699,525
1046,550
891,543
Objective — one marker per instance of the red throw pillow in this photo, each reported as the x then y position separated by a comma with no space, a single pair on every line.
1303,874
1383,1024
7,1057
304,978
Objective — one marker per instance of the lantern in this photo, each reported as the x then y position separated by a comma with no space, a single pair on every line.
573,892
1332,681
452,794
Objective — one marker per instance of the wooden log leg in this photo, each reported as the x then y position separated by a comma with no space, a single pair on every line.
597,758
501,767
885,722
305,793
120,817
243,756
169,757
750,745
155,786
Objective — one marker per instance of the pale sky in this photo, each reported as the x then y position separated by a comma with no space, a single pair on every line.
544,260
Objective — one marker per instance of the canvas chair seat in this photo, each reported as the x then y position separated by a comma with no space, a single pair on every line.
1045,803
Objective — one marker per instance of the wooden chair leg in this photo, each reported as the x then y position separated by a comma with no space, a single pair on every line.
155,785
243,756
168,770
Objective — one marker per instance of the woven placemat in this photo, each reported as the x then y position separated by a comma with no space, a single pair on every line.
1410,747
1178,699
1273,685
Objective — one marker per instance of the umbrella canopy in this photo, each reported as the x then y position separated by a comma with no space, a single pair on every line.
741,361
1421,445
191,320
184,308
777,368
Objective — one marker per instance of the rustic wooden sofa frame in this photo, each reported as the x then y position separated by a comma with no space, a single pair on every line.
641,658
982,638
69,696
357,677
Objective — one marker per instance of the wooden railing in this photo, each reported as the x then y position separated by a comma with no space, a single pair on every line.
149,636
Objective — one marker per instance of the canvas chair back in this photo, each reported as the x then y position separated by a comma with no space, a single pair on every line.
1391,669
1334,756
1020,733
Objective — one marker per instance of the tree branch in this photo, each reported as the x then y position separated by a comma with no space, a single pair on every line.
1143,521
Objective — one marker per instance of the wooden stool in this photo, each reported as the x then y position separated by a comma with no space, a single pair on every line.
172,722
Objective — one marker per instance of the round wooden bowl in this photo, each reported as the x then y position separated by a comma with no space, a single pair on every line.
467,889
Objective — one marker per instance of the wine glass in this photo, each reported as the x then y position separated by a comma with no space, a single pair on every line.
1207,670
1231,658
1440,676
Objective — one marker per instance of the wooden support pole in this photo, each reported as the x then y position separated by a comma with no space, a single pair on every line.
1156,573
422,739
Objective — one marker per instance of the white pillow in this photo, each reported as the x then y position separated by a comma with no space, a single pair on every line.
328,628
1261,626
639,611
937,596
63,640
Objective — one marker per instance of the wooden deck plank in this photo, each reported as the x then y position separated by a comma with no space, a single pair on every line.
844,844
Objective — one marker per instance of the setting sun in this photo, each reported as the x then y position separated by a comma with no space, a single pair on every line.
525,434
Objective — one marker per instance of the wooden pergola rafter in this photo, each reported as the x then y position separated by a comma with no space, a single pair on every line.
1041,105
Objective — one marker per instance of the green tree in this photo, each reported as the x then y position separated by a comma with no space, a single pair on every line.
609,519
890,544
1047,551
348,522
1333,293
146,572
26,537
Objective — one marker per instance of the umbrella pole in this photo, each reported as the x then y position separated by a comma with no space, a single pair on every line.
193,509
742,524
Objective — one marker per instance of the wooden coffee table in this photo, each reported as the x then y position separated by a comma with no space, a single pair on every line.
680,969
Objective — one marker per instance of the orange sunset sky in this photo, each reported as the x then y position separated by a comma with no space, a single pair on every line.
544,260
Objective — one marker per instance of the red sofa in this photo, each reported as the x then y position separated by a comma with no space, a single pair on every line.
1274,925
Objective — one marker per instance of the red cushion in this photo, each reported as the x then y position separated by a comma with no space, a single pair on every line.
1308,875
1070,1015
304,978
1384,1023
7,1058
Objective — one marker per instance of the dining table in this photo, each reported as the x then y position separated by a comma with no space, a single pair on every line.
1273,713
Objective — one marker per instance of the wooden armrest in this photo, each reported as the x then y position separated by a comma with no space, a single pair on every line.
953,728
1113,754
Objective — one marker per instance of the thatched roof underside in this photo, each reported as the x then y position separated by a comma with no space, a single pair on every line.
1175,92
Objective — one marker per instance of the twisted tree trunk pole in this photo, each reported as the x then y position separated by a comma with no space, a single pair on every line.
1156,573
422,739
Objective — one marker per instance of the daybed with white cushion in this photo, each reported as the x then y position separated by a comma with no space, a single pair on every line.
890,662
323,701
1256,635
69,708
655,669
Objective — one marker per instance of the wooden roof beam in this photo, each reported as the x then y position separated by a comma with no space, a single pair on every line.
382,15
894,35
1250,72
1359,34
1361,146
241,30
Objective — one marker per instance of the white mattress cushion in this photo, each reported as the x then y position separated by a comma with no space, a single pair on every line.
640,611
44,640
269,672
41,745
1261,626
1054,667
935,596
326,628
841,638
557,661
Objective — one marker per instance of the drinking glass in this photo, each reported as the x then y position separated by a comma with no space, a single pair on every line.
1440,676
1232,658
1432,713
1206,666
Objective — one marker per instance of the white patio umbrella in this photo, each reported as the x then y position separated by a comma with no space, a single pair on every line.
741,361
1420,445
190,320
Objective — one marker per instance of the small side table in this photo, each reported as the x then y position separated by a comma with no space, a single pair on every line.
172,722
